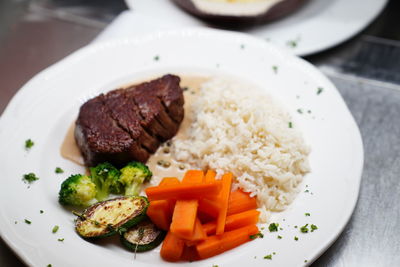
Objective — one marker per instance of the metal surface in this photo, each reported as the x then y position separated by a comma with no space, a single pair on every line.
33,35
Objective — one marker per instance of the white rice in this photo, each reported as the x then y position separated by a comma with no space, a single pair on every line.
242,130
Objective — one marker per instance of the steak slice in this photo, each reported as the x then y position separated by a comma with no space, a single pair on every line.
129,124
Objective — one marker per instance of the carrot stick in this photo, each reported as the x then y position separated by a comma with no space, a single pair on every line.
183,191
193,177
198,232
215,245
185,211
209,207
240,201
224,198
172,248
234,221
160,211
210,176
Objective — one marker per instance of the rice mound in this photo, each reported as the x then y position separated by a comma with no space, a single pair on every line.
242,130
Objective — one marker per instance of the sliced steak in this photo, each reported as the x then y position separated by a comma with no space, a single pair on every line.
129,124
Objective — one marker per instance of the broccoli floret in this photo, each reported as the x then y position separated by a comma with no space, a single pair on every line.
106,176
77,190
133,175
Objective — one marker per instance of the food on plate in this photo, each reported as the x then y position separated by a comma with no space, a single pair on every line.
142,237
133,175
78,190
239,11
130,123
104,179
239,129
191,235
111,216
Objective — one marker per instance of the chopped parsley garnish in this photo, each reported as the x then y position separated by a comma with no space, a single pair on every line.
59,170
296,238
307,214
295,226
279,237
290,124
242,46
320,89
61,239
156,58
306,191
29,144
280,228
305,261
41,211
262,228
309,111
304,228
275,69
313,227
259,234
15,222
300,111
273,227
49,265
30,177
185,88
55,229
215,265
273,253
27,221
268,257
292,43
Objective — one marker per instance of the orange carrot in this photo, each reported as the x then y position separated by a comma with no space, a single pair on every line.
183,191
234,221
224,198
209,207
190,254
185,211
240,201
215,245
198,232
172,248
193,177
210,176
160,211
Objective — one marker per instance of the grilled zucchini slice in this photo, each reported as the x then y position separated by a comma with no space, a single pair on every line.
111,216
142,237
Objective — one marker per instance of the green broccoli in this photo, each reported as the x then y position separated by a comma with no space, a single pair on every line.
77,190
106,176
133,175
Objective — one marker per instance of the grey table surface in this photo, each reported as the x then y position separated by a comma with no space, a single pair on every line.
36,34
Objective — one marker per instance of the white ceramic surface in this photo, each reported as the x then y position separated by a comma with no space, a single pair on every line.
318,25
45,107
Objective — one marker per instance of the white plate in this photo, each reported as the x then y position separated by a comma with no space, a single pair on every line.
45,107
318,25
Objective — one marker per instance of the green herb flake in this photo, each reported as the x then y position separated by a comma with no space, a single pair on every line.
296,238
300,111
15,222
27,221
273,227
273,253
30,177
295,226
306,191
290,124
242,46
292,43
55,229
60,239
275,69
268,257
305,261
215,265
307,214
262,228
49,265
59,170
304,228
259,234
41,211
313,227
320,90
279,237
29,144
280,228
156,58
309,111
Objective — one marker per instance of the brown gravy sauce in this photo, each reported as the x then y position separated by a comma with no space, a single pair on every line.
70,151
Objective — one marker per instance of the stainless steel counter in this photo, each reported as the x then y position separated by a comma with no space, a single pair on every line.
366,70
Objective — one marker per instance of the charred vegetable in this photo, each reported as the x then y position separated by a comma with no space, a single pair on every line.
142,237
111,216
77,190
